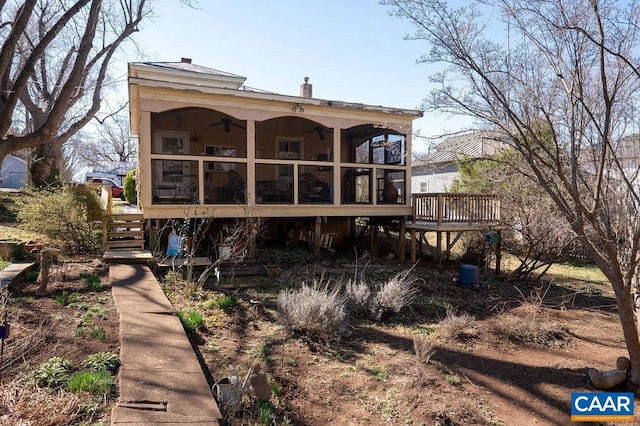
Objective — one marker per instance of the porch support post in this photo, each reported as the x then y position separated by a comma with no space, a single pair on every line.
498,252
438,248
251,163
143,177
335,156
317,236
413,245
448,246
401,240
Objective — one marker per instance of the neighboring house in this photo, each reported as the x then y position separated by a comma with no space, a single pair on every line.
115,170
437,171
210,146
13,173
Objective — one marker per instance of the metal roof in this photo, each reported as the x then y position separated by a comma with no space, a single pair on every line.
473,144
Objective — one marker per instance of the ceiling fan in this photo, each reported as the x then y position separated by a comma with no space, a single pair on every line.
227,123
320,131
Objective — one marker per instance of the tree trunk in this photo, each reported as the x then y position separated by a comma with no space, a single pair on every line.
44,168
626,313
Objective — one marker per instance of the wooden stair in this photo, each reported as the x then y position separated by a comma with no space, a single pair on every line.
124,231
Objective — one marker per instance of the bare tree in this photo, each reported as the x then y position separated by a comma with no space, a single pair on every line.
564,84
111,142
53,68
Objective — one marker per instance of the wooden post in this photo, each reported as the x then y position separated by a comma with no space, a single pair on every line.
439,248
252,240
498,252
448,257
413,245
316,233
46,254
402,239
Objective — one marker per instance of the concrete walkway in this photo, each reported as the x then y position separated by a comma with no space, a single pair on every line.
161,381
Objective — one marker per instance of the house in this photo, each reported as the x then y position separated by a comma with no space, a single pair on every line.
13,173
436,171
209,146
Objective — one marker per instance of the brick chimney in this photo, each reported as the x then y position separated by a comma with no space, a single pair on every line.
186,60
306,89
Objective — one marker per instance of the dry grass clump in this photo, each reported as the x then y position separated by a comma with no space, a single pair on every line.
424,347
20,404
315,310
456,325
378,300
531,331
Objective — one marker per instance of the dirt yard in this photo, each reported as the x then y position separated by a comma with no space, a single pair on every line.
517,363
71,321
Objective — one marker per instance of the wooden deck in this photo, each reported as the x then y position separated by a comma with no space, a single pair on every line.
453,213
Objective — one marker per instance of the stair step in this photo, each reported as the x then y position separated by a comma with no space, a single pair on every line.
124,234
126,216
125,244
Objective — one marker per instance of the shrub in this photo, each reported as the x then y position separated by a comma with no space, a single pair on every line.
378,300
226,303
96,382
130,194
107,361
73,217
191,321
395,294
53,373
92,281
315,310
424,347
456,325
532,331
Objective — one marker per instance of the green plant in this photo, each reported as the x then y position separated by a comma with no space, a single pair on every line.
266,415
73,217
53,372
130,194
191,321
95,382
227,303
264,351
18,253
314,310
452,380
31,276
98,333
92,281
102,361
65,298
276,389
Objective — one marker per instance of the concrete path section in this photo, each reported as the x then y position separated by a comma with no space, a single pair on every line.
161,381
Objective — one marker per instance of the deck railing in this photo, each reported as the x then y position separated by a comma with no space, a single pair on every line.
456,208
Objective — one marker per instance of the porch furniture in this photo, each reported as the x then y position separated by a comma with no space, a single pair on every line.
307,188
237,186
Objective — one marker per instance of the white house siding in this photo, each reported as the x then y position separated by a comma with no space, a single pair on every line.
13,173
440,182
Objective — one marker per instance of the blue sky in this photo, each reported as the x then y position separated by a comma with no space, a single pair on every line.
351,50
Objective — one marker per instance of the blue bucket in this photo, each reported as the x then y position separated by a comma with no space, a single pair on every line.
469,275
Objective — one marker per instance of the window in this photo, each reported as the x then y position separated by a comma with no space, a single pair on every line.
289,148
219,151
424,186
170,142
